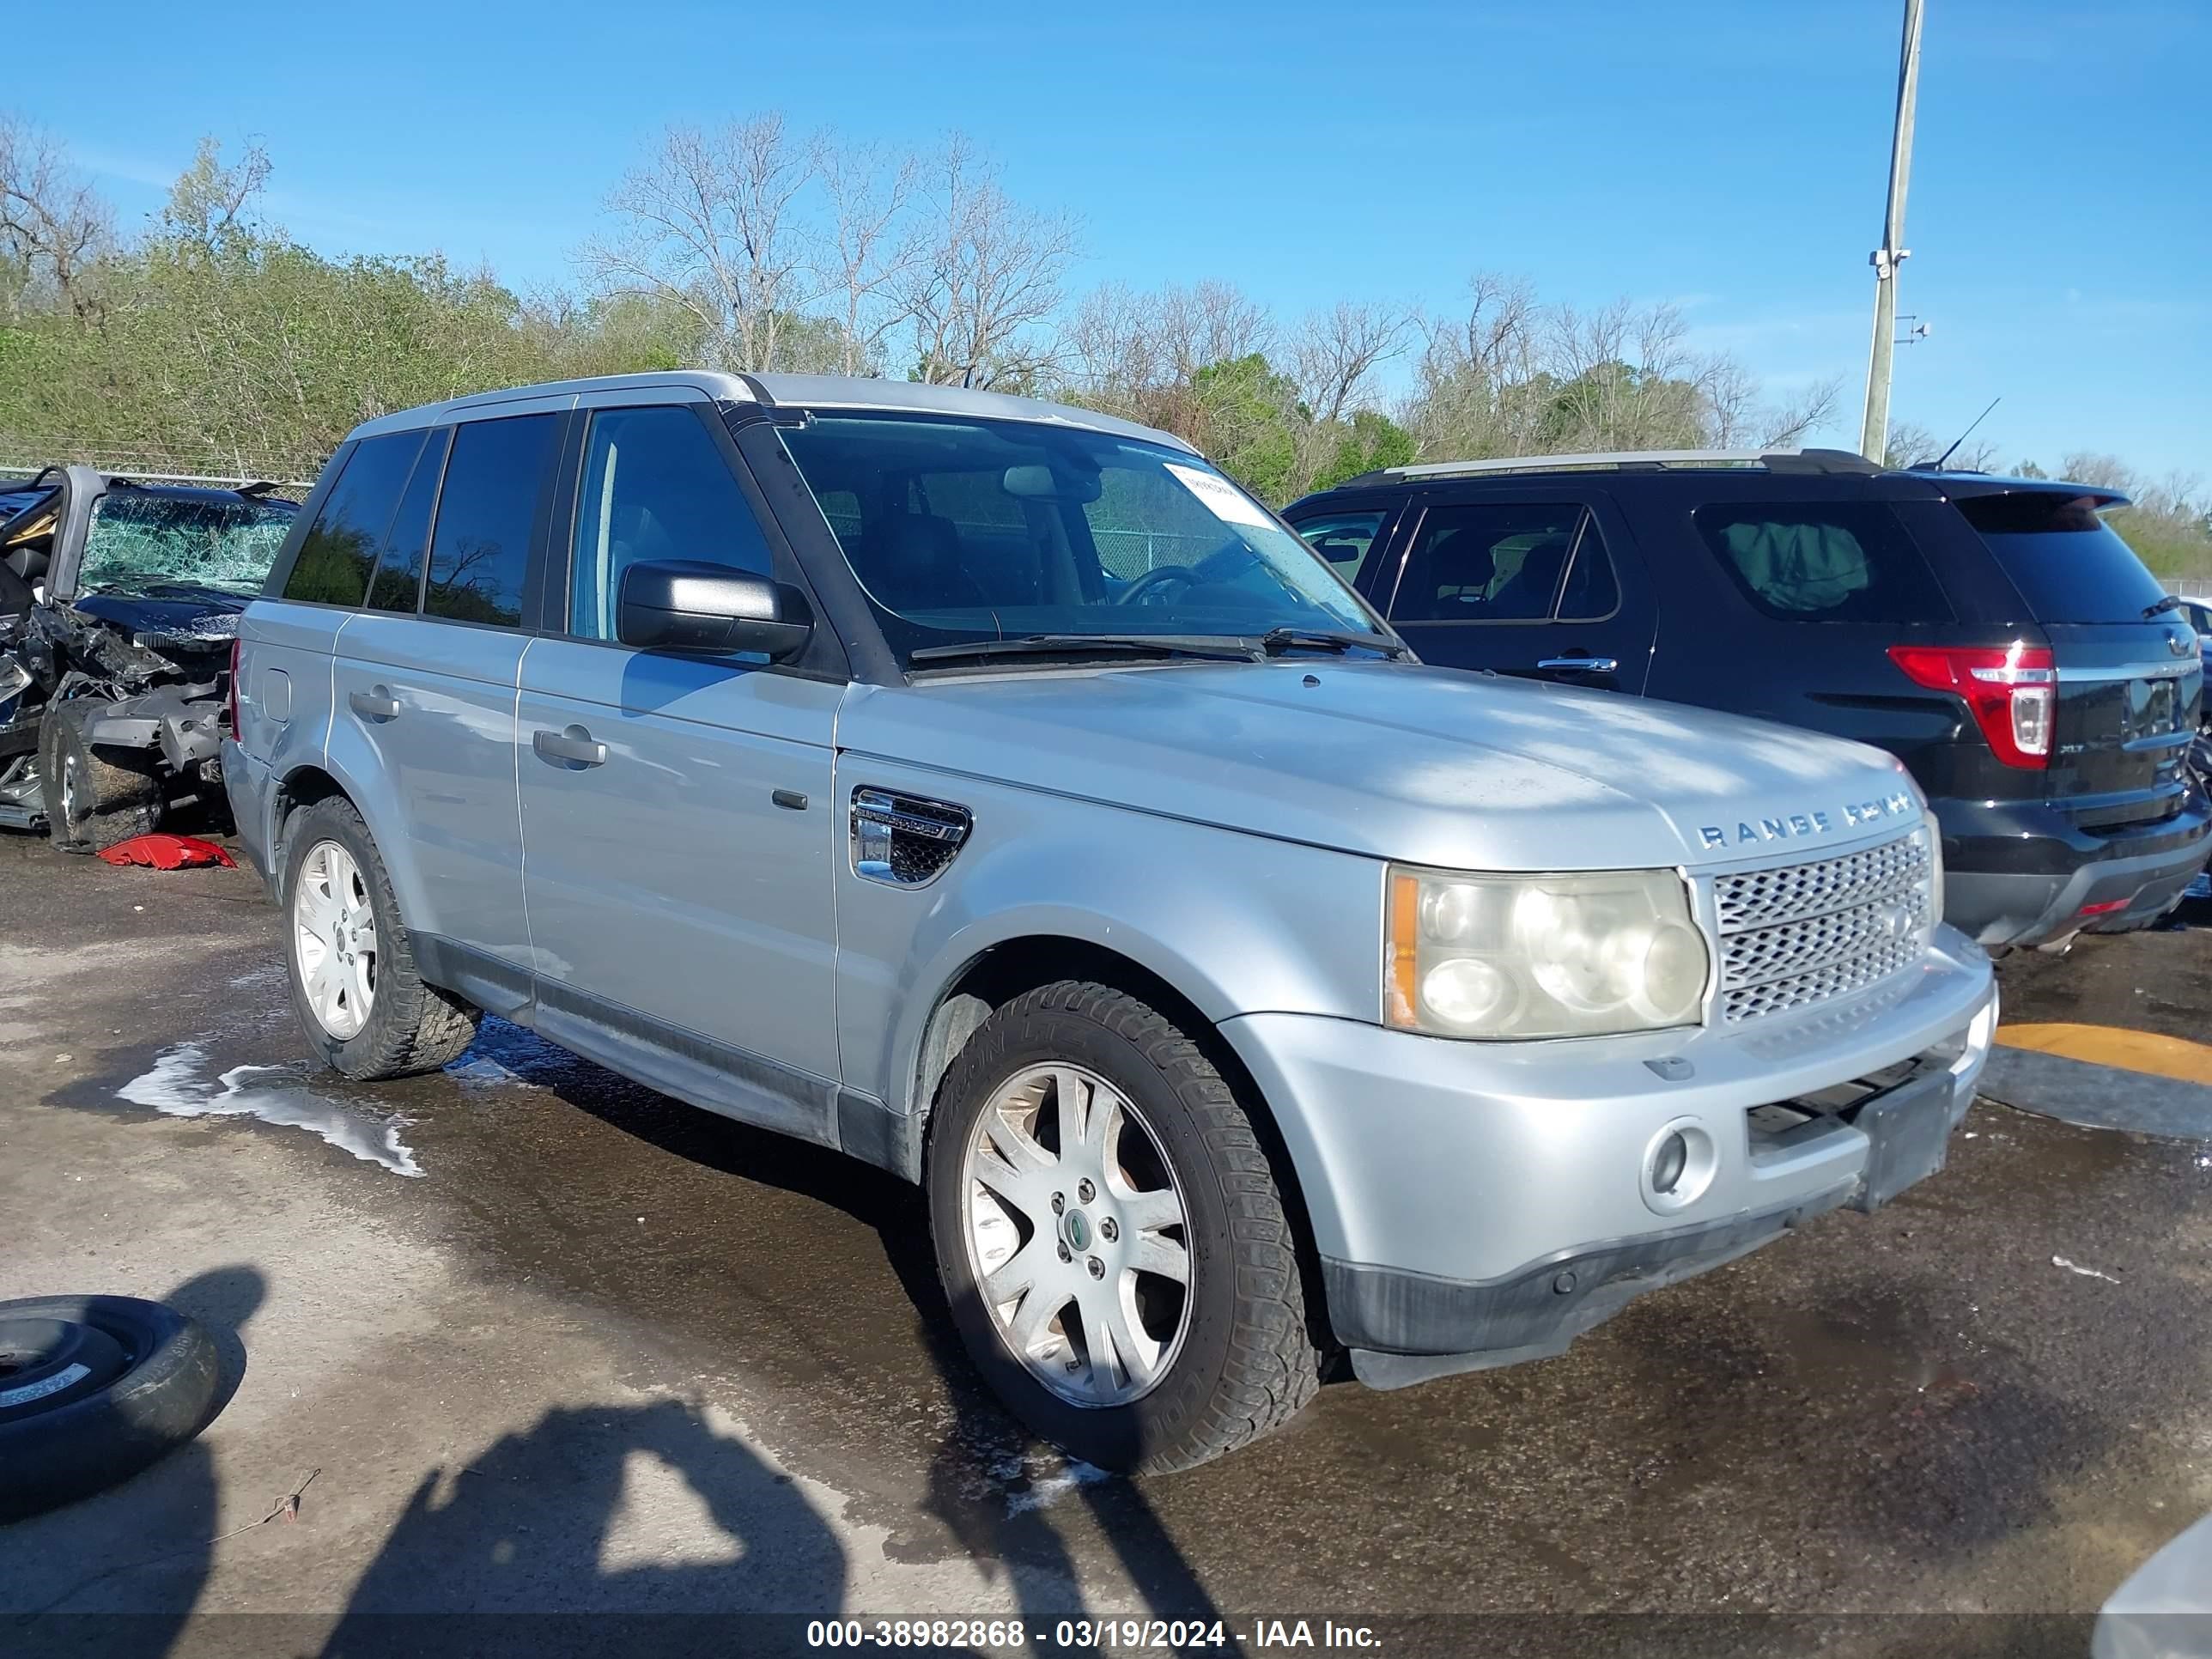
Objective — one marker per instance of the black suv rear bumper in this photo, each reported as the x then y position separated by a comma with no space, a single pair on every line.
2019,873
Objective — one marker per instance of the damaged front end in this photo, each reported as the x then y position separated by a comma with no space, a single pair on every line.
161,667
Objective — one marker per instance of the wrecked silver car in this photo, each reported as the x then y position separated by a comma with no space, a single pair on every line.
119,606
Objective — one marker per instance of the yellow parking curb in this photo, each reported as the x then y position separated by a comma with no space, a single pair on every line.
2111,1045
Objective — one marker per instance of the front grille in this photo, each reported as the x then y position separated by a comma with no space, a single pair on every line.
1801,934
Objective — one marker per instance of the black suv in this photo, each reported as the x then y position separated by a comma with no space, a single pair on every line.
1992,633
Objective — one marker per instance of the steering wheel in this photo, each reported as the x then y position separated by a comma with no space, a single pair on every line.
1158,575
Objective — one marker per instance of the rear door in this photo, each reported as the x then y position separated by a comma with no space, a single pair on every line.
1540,580
429,692
2130,676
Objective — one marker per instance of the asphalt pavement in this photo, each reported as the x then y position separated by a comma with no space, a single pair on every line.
553,1343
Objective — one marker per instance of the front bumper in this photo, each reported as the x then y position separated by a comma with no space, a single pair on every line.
1478,1204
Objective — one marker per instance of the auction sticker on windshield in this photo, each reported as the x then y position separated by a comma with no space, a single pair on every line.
1220,497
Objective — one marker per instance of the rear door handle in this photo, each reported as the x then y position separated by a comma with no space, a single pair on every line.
574,747
1582,665
375,705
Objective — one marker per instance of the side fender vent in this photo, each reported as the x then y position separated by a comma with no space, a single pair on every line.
905,840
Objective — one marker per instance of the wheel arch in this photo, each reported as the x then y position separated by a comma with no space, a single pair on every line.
1004,971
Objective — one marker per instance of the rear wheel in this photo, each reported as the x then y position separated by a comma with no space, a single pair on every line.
94,800
1112,1236
365,1008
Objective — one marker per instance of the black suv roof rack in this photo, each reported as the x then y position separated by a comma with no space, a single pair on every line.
1824,461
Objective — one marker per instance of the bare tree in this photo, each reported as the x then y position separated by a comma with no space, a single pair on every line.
54,227
868,247
1140,355
1517,378
709,223
988,276
209,202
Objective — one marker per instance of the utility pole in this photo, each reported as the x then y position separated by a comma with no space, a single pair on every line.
1873,436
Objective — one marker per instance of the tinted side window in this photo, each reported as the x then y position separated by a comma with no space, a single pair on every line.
341,546
1499,562
1342,539
655,487
397,585
480,553
1823,561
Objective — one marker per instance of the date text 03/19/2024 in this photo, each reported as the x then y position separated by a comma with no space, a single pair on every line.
1006,1635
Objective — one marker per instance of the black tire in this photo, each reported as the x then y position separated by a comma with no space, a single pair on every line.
1246,1364
94,798
412,1027
93,1389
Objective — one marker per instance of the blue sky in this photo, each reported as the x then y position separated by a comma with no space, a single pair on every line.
1729,157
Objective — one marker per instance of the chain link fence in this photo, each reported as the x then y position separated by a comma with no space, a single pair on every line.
22,454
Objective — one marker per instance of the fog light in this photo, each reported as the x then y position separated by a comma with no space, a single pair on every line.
1679,1163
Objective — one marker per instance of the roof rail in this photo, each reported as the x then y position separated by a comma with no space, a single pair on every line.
1831,461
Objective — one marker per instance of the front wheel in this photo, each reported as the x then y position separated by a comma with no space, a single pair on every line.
1112,1236
92,800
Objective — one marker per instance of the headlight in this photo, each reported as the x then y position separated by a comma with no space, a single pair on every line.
1518,957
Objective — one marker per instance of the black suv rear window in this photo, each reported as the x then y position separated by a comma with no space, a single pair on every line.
2067,563
1850,562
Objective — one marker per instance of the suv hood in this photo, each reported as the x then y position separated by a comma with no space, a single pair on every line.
1429,766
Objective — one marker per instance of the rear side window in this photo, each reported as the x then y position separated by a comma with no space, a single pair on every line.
2067,563
480,554
1506,562
341,546
397,585
1849,562
655,488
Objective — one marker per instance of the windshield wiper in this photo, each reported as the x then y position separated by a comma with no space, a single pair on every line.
1209,646
2171,602
1276,641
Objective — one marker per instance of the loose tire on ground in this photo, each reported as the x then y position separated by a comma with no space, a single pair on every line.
94,798
411,1027
93,1389
1243,1363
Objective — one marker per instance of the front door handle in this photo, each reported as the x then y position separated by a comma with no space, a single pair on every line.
574,747
378,704
1582,665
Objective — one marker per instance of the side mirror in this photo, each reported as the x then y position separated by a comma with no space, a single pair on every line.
674,605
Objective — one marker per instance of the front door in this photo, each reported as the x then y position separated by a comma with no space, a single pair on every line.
677,822
1544,586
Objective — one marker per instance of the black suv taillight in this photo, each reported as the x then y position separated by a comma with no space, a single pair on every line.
2011,690
237,656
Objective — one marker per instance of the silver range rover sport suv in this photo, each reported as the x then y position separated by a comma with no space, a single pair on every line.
997,793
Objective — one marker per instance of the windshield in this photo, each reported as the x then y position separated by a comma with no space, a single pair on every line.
967,530
140,540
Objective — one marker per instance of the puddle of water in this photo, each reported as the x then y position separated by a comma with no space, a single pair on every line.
179,1086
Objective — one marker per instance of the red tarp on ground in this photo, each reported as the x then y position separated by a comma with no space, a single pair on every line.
169,852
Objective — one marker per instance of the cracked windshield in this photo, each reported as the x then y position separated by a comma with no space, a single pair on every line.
142,543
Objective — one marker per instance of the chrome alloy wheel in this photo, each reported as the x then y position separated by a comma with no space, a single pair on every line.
72,812
1077,1235
334,939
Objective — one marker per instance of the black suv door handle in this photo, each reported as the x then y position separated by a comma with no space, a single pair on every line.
375,705
1582,665
574,747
